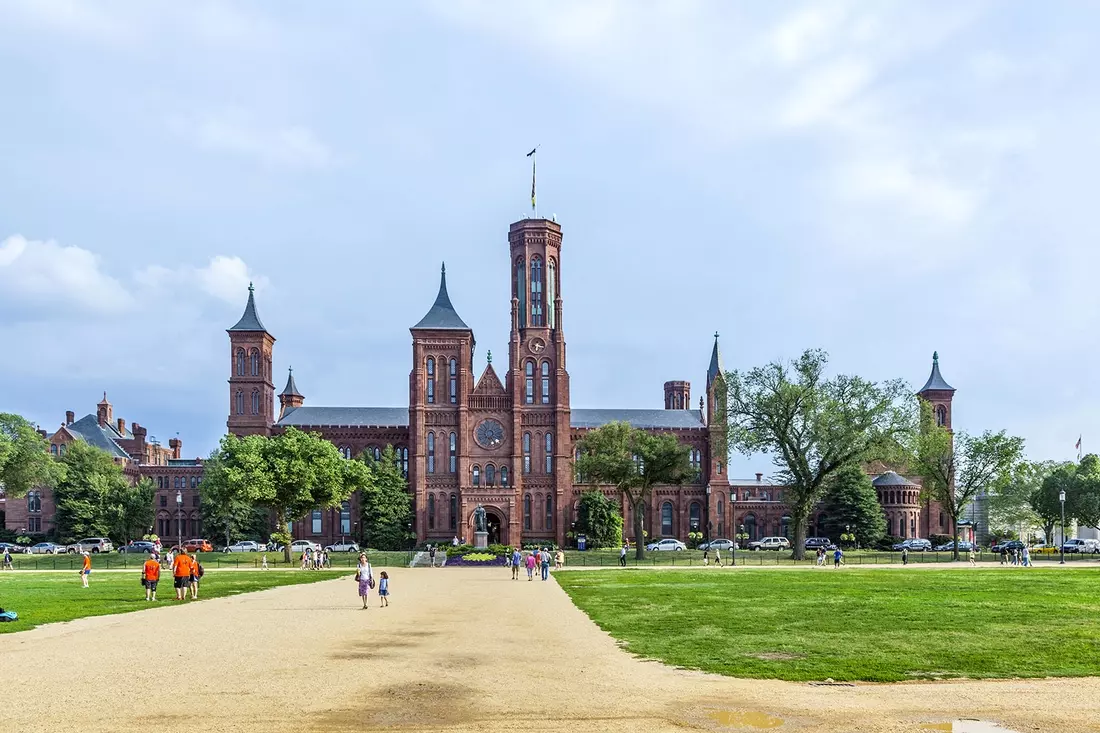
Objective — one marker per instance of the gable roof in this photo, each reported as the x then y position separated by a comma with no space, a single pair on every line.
250,320
660,419
442,315
87,429
489,382
347,416
935,381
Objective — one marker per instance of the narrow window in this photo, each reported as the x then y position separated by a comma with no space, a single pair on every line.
721,516
529,383
376,452
551,290
545,383
503,475
345,517
521,292
527,453
527,512
453,457
315,521
61,450
255,402
490,475
549,521
454,511
576,460
941,415
477,475
53,449
666,519
548,453
431,380
695,515
255,358
536,291
240,362
454,381
719,467
240,402
431,452
431,511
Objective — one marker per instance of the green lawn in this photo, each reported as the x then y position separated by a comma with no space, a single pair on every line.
42,598
852,624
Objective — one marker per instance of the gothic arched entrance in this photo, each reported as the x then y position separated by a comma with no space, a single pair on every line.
494,525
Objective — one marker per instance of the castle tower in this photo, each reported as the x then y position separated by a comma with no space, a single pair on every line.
290,398
104,412
251,391
538,382
677,395
720,510
938,393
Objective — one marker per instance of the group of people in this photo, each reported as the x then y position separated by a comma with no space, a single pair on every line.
535,559
823,555
312,559
1014,557
186,573
364,577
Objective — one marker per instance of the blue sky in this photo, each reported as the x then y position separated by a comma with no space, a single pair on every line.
880,180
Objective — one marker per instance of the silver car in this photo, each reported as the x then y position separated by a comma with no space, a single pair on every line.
343,547
243,546
46,548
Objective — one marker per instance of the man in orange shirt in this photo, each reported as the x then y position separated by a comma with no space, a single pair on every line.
181,573
150,574
86,569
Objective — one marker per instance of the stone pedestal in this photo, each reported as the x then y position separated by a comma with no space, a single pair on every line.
481,540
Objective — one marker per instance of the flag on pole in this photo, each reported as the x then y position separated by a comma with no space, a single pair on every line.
531,155
1078,447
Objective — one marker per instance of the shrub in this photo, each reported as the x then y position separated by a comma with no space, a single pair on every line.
939,539
887,542
23,540
500,550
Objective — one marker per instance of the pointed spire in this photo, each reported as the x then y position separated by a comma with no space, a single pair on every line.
291,389
442,314
935,381
250,321
489,356
716,367
104,402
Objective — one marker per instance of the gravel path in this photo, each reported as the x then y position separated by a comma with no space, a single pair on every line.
458,650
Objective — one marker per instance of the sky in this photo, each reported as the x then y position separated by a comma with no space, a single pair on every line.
877,179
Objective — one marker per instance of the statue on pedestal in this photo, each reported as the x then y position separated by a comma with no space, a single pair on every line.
480,523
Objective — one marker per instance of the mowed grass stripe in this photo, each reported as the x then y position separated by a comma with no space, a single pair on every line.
873,625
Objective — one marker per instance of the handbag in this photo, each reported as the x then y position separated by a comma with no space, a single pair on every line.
357,578
370,582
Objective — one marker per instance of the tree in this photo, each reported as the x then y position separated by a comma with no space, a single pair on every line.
1010,507
814,426
1044,500
851,502
599,519
959,467
1081,483
129,510
225,512
633,461
1085,499
290,474
385,505
25,461
91,479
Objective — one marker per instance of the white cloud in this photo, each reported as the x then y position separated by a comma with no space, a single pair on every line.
930,196
234,132
46,275
823,95
224,278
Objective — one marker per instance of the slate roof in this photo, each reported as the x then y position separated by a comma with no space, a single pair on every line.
291,389
716,367
357,416
87,429
442,314
177,462
668,419
935,381
891,478
250,321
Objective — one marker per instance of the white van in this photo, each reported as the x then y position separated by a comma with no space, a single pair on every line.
1091,547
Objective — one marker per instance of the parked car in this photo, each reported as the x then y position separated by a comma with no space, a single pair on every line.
721,545
666,544
913,545
1044,549
198,546
46,548
243,546
93,545
342,546
299,546
139,547
1007,546
12,548
812,543
964,546
1091,547
770,543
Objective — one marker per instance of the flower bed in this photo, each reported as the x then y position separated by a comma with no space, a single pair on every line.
476,559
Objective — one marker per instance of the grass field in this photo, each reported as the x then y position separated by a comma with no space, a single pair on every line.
42,598
875,625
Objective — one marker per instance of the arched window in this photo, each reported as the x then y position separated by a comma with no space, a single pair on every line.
666,519
175,482
240,402
521,292
431,511
490,475
695,515
941,520
477,475
194,482
240,362
345,517
160,482
551,289
344,451
548,453
697,463
576,459
402,460
34,501
719,467
453,516
750,526
536,291
529,383
61,450
452,458
549,523
255,402
721,516
901,526
53,449
785,526
941,415
375,452
545,394
527,512
431,380
431,452
254,358
315,521
527,453
454,381
503,475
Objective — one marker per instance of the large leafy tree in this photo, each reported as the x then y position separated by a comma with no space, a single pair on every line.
1081,483
633,461
814,426
290,474
598,518
91,479
1011,506
129,509
851,502
25,461
226,512
385,503
958,467
1085,499
1044,500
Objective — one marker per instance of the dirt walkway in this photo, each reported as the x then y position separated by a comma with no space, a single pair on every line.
459,650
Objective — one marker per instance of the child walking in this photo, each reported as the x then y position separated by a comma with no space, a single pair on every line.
384,588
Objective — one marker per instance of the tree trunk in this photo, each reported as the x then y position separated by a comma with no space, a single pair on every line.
798,546
639,529
955,548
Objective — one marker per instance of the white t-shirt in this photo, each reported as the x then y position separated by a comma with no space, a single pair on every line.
364,571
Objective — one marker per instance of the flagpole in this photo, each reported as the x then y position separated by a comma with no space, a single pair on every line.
534,205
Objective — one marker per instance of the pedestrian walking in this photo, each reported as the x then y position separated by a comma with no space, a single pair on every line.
364,577
544,563
263,565
1004,555
431,554
181,573
7,560
86,568
622,556
821,557
970,556
530,562
559,560
517,558
905,556
717,558
838,557
384,589
150,576
197,571
1015,557
1027,557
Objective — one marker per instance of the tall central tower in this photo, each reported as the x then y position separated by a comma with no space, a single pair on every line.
538,381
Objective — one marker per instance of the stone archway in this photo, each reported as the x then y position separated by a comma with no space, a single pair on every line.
496,521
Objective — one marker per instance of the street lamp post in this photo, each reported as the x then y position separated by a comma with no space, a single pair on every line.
179,519
733,523
1062,546
707,537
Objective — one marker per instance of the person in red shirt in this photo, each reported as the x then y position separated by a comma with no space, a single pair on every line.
181,573
150,574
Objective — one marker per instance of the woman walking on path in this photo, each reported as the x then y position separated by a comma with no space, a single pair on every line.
197,572
544,562
530,566
150,575
86,568
181,573
717,558
1027,558
384,589
263,566
559,560
363,575
622,557
970,556
838,557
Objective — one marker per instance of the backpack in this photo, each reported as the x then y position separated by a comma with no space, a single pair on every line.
201,571
8,615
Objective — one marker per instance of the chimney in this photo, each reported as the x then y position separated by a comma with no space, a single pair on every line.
759,477
121,426
70,417
176,445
